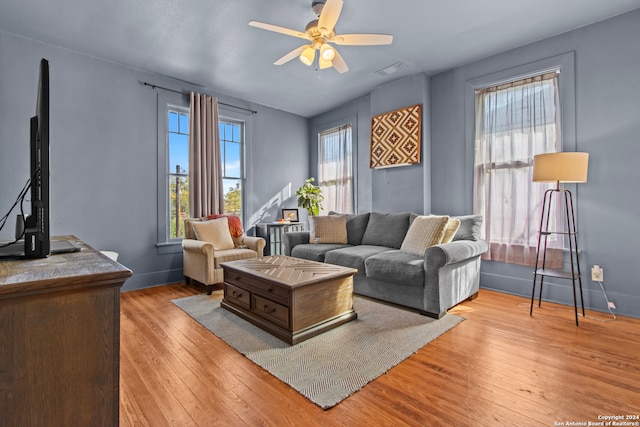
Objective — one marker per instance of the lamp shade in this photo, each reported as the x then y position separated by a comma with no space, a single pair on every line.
561,167
308,55
326,52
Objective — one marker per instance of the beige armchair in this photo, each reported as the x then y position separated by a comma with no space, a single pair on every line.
201,261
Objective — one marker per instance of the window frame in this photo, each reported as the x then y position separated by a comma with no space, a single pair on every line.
314,149
565,63
224,117
165,102
319,182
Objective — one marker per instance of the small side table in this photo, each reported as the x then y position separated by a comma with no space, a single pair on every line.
272,232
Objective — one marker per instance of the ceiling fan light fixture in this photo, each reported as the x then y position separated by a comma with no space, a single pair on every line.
308,55
327,52
323,63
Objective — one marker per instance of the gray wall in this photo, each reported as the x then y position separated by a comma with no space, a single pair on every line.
605,107
399,189
607,125
104,154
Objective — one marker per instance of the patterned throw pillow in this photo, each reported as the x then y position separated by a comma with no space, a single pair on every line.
328,229
215,232
235,224
425,231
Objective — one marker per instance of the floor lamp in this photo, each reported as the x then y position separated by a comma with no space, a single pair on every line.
564,167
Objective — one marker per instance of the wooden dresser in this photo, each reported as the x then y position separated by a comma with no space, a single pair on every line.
60,339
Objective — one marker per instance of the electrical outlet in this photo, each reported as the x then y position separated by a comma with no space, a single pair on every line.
612,305
597,273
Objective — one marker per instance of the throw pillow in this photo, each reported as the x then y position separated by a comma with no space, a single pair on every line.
425,231
328,229
388,230
235,224
216,232
450,230
470,226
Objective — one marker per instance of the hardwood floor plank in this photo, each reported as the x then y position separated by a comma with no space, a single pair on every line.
498,367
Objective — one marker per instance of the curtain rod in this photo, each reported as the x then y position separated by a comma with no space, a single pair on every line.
182,93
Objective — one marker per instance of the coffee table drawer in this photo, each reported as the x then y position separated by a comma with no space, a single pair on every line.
257,286
237,295
270,310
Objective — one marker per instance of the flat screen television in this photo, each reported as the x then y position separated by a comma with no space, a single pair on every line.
36,228
33,239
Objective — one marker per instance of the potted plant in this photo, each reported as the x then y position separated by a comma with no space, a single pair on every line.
310,197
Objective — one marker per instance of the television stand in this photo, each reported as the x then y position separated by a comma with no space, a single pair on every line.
60,355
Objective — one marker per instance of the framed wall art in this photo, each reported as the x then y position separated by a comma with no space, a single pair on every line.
395,137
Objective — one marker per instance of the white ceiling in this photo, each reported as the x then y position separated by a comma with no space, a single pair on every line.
209,42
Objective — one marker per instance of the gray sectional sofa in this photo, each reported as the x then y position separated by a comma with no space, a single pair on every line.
432,283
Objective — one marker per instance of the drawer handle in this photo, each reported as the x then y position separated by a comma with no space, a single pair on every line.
235,294
270,290
267,309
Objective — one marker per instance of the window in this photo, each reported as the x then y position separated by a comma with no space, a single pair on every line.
231,141
514,122
178,175
173,168
335,169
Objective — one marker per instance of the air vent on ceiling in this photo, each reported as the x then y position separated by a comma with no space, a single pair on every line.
391,68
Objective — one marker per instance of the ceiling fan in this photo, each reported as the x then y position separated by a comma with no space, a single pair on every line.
320,33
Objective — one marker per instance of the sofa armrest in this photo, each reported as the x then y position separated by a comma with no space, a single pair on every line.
197,246
255,243
293,238
438,256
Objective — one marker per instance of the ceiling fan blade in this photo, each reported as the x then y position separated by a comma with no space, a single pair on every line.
329,16
362,39
289,56
339,64
278,29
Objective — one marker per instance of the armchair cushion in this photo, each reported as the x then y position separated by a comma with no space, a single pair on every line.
216,232
235,224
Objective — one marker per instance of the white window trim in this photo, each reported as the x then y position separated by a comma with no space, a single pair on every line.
244,117
164,102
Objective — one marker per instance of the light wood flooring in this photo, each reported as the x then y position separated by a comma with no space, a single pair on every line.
500,367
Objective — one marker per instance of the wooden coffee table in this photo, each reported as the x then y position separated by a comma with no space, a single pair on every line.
291,298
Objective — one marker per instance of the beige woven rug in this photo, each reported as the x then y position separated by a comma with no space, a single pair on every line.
331,366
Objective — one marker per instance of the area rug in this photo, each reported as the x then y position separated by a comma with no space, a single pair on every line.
331,366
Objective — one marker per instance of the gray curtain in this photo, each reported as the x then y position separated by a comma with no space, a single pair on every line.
205,175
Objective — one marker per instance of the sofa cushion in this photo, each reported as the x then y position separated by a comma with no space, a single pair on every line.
328,229
469,227
353,256
215,232
314,252
386,229
396,266
424,232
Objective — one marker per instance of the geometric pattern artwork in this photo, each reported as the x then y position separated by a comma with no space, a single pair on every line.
395,137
